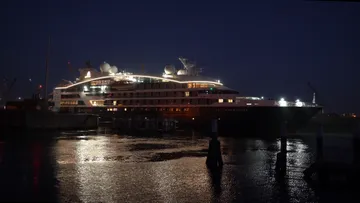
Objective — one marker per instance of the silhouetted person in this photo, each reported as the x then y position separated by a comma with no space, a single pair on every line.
214,159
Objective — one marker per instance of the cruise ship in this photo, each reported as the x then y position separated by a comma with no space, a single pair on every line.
181,94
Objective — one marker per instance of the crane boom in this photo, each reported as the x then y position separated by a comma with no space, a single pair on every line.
311,87
8,90
314,93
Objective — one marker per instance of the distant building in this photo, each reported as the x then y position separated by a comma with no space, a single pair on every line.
353,115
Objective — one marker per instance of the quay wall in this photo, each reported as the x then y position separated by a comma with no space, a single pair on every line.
47,120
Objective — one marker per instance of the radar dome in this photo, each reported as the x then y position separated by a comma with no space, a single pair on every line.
105,67
169,70
113,69
181,72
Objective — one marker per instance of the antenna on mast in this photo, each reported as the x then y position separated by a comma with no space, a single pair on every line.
47,70
189,67
143,68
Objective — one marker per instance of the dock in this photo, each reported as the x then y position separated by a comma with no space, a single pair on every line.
47,120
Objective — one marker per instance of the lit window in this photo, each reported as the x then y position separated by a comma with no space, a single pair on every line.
221,100
249,104
230,101
114,103
187,94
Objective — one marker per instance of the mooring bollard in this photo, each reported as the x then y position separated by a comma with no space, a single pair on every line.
281,156
315,167
214,158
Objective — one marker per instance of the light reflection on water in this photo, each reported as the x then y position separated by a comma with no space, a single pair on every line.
118,168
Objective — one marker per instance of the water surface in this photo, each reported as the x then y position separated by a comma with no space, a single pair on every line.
103,166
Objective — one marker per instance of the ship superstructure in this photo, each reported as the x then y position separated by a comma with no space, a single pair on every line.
175,88
182,93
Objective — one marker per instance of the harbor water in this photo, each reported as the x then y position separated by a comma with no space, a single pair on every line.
105,166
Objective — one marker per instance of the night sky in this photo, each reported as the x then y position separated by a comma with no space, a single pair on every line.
260,48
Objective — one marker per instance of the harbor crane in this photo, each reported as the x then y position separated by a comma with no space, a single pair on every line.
7,90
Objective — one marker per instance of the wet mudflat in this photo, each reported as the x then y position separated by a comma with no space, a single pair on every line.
108,167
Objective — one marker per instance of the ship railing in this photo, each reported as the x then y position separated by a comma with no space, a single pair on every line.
259,104
216,96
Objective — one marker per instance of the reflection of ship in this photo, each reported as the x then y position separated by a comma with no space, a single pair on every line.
182,94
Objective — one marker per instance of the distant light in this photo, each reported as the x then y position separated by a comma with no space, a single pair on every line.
19,98
218,118
167,76
211,88
88,75
103,87
30,80
282,102
125,109
262,97
193,118
218,81
298,103
40,86
132,79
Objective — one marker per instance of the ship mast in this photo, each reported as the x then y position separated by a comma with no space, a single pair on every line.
47,70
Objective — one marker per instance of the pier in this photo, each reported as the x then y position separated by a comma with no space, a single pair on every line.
324,171
141,123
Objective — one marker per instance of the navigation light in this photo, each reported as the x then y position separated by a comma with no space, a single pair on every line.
298,103
282,102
